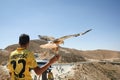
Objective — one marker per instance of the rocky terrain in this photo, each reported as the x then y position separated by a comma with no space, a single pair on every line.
97,71
71,55
97,68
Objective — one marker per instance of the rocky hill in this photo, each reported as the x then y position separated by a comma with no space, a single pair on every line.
67,54
92,69
97,71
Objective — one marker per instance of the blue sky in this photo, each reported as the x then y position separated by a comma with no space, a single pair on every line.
62,17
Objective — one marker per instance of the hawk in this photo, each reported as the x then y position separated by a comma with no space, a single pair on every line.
54,43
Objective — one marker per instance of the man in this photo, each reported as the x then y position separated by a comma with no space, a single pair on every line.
21,60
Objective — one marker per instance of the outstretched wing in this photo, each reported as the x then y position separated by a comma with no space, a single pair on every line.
70,36
86,32
46,38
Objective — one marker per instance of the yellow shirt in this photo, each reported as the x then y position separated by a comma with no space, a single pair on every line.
20,61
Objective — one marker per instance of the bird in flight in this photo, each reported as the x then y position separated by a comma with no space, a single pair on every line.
54,43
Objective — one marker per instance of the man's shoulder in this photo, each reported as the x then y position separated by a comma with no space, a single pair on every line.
27,51
13,52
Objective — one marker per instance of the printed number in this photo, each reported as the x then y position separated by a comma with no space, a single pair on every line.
20,75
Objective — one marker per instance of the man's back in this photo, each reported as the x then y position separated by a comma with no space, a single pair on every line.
21,60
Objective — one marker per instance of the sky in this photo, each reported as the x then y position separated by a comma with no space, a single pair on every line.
62,17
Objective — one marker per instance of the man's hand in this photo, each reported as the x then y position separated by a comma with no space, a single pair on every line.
40,70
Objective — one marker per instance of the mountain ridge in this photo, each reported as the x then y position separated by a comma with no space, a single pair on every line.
96,66
68,54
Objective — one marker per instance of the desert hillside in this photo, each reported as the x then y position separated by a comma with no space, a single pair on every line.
89,65
97,71
67,55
